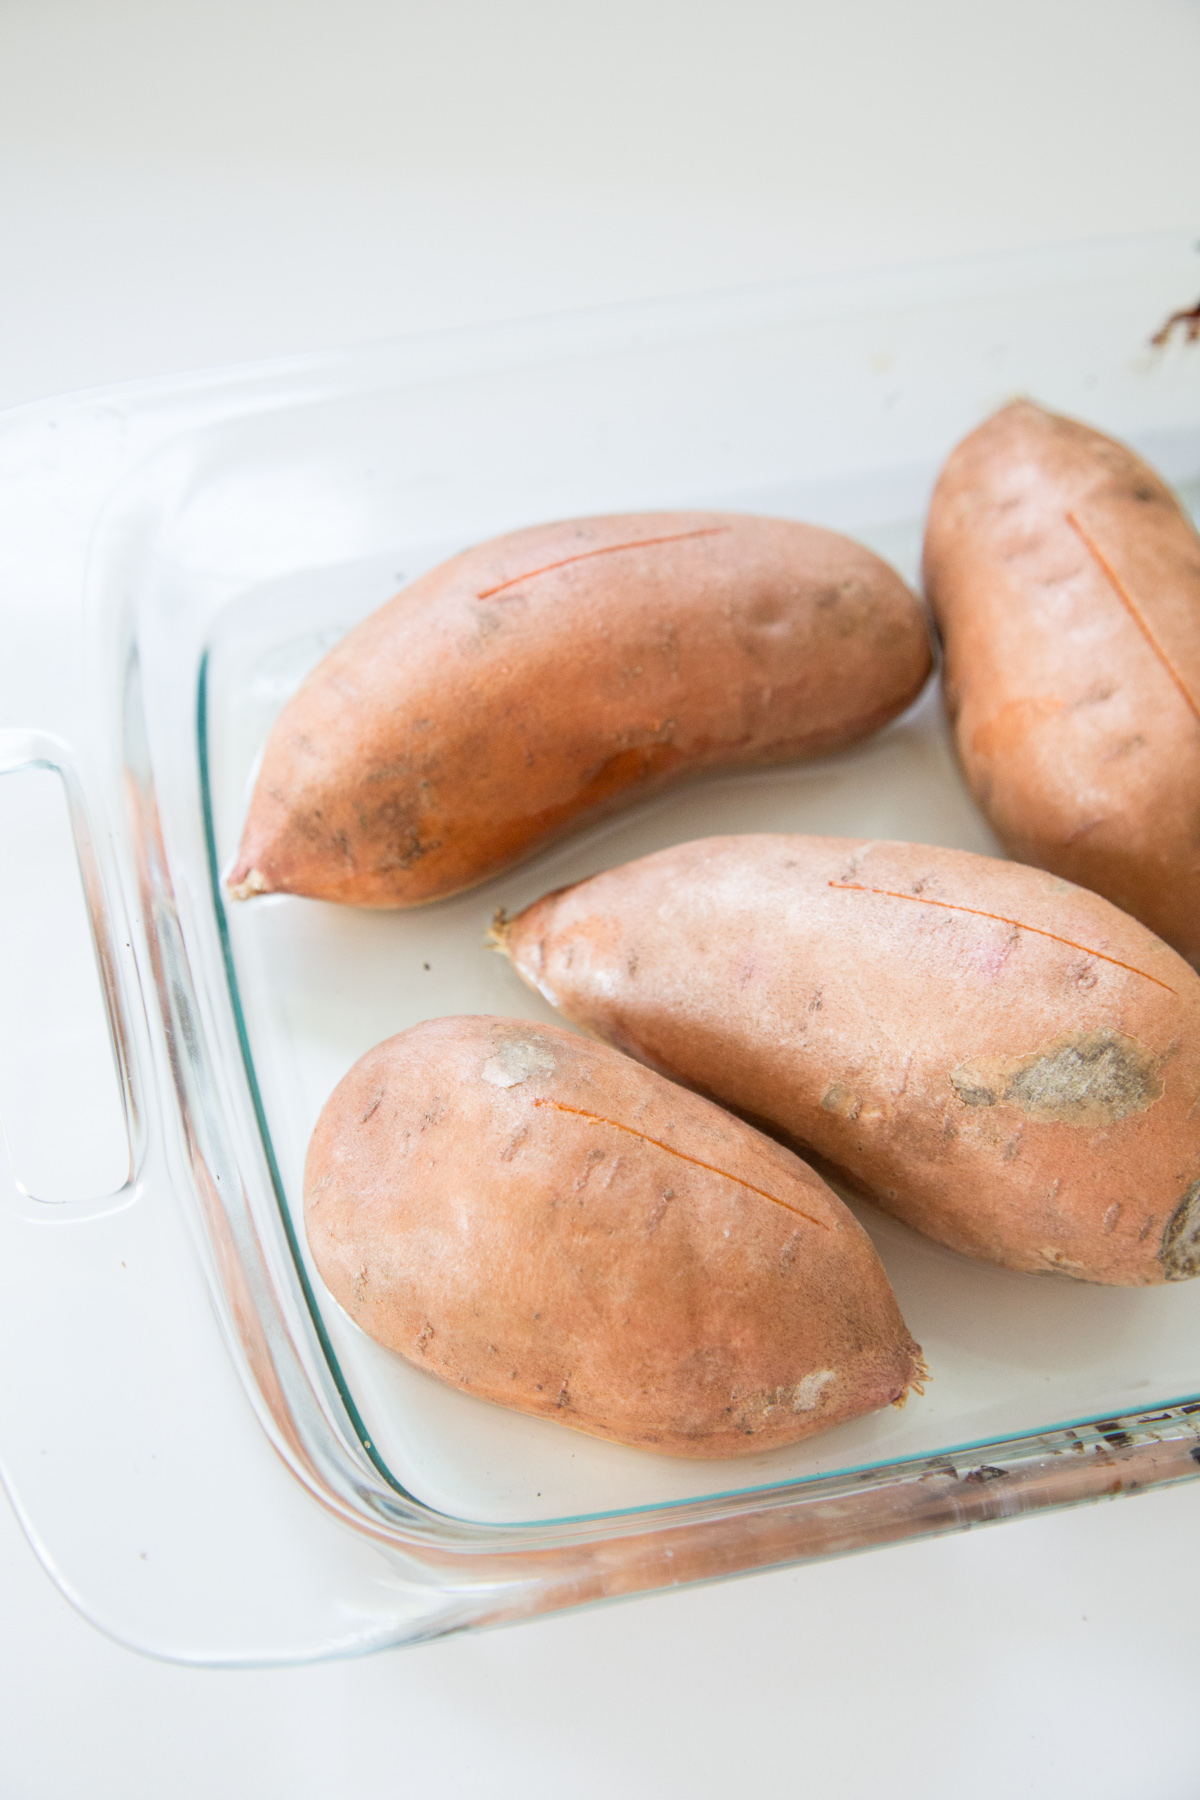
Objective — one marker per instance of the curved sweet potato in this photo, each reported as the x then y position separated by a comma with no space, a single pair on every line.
534,683
1066,581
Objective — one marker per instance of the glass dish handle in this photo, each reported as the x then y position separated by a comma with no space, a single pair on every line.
125,1435
70,996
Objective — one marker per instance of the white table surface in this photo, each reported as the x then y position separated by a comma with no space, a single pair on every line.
183,184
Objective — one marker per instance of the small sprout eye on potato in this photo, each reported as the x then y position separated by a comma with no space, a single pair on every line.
543,1222
1065,578
542,680
1003,1060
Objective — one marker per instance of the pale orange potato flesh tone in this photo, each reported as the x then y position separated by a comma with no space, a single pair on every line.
544,1223
1003,1060
1065,578
541,680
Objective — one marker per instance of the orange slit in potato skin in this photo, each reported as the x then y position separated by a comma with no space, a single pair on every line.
856,887
596,1119
677,537
1134,611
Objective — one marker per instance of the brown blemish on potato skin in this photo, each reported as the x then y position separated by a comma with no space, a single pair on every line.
514,1143
1096,1077
1085,1079
1180,1253
656,1217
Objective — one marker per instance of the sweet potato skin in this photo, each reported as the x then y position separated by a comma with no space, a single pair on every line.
547,1224
1065,579
541,680
1001,1059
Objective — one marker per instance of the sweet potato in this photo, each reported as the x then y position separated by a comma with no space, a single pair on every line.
1001,1059
543,1222
534,683
1066,581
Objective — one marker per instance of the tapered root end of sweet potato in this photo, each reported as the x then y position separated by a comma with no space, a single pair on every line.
496,935
244,883
513,933
916,1381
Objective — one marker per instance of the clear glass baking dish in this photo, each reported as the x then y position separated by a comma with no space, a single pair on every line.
222,533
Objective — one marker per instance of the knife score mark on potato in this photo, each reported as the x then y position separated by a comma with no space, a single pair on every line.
564,562
856,887
616,1125
1134,610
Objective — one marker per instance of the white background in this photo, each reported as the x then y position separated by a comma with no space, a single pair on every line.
187,182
